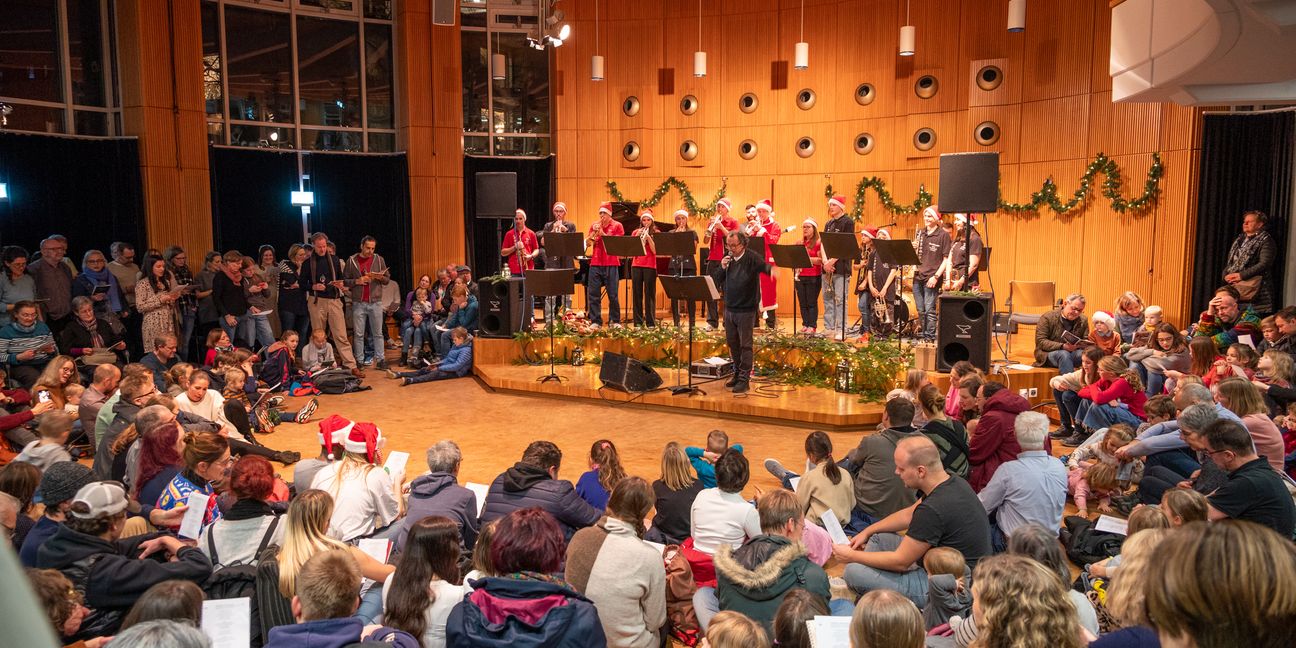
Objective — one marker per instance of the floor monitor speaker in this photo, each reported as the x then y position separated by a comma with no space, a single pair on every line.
627,374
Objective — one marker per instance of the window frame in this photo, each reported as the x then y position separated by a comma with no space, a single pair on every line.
497,11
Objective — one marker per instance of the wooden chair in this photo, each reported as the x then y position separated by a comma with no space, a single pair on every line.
1027,301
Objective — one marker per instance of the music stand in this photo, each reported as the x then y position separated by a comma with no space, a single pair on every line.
691,288
898,254
843,247
795,258
564,245
624,247
550,283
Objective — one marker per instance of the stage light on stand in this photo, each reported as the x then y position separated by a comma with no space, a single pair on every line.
1016,15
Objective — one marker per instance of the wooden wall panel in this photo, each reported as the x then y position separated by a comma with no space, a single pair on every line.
1119,129
865,44
1059,50
1045,242
1175,233
1055,129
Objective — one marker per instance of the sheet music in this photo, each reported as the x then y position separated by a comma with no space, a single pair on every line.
228,622
1245,338
710,282
191,523
834,528
395,463
829,631
480,490
1111,524
794,482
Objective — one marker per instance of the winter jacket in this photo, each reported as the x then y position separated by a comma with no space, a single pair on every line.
440,494
524,613
466,316
524,486
458,359
334,633
108,574
1048,334
279,367
124,413
754,578
995,441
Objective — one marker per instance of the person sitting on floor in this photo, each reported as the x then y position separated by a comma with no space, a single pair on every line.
456,364
1224,321
994,441
703,459
318,353
878,490
533,482
1254,491
328,595
1029,489
367,499
439,493
58,485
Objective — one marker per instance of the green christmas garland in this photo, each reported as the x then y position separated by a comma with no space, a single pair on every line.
690,203
1046,196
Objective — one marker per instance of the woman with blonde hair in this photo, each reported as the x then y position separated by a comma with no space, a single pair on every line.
59,372
886,619
735,630
1019,602
1126,612
1242,398
674,493
367,500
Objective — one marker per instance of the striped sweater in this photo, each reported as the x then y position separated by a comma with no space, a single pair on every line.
16,339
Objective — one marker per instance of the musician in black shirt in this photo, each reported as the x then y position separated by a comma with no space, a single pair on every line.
739,274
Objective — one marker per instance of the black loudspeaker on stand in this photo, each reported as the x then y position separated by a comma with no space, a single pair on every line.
963,331
500,307
627,374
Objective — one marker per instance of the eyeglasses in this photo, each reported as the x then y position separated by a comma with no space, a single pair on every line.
1212,453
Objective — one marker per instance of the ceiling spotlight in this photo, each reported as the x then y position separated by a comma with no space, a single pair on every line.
1016,15
907,37
555,17
274,136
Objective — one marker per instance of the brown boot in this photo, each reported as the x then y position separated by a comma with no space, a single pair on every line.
358,372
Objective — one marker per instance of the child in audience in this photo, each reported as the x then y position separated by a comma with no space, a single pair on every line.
1129,315
54,429
1268,330
915,379
953,408
703,460
217,342
605,471
173,600
1288,428
318,352
1239,360
482,567
885,619
1159,409
731,629
948,594
1104,333
456,364
1098,480
1086,478
1153,316
63,607
73,394
1183,505
1142,518
798,608
177,378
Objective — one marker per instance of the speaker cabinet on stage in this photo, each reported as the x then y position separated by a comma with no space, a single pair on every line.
500,307
969,183
496,194
964,330
627,374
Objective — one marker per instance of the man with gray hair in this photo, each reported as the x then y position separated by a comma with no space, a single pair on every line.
1161,477
1061,335
439,493
1030,488
1162,445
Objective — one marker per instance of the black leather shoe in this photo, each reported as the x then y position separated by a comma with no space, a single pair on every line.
729,384
1061,433
741,388
1075,439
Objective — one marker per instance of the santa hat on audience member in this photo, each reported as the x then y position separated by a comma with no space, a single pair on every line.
605,207
559,205
333,432
365,439
725,202
870,233
1103,317
838,200
765,205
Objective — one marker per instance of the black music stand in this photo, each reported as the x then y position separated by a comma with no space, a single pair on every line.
550,283
624,247
564,245
897,254
690,289
796,258
676,245
844,247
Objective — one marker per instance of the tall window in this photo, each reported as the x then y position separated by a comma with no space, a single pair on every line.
57,67
300,74
509,116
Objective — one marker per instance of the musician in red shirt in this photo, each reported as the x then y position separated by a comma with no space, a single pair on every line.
721,225
520,245
605,269
643,274
766,228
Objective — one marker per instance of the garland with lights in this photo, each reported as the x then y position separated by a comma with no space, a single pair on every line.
1046,196
690,203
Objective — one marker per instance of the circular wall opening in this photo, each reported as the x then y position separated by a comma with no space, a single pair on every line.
986,133
689,150
864,143
747,149
805,147
926,86
989,77
747,103
924,139
865,94
689,104
630,106
630,151
805,99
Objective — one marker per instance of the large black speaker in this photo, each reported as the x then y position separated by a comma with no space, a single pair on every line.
500,307
969,183
496,194
627,374
964,331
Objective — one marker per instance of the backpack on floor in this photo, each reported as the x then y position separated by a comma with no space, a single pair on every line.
336,381
1084,545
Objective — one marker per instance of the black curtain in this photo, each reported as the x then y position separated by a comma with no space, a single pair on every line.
1246,164
355,195
88,190
535,190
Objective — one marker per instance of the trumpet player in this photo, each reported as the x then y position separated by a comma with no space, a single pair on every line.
721,225
768,229
605,269
643,274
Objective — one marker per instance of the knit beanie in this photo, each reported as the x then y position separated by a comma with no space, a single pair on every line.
61,482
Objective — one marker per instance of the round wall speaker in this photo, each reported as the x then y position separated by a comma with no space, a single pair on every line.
689,150
989,77
986,133
926,86
865,94
689,104
747,103
747,149
630,106
924,139
805,99
805,147
630,151
864,143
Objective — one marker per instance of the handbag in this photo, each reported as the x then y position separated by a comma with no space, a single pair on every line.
1247,288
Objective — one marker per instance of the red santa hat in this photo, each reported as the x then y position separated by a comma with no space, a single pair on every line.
681,212
333,431
1104,317
725,202
646,212
964,218
366,439
870,232
765,205
838,200
605,207
932,210
811,222
559,205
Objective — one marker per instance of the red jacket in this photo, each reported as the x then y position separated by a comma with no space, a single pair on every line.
995,440
1106,391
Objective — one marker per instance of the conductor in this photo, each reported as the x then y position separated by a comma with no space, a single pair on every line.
739,276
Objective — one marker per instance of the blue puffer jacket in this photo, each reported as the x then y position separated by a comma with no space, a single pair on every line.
524,613
525,486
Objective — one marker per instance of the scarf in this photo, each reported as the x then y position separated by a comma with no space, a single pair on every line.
543,578
96,340
1244,247
102,278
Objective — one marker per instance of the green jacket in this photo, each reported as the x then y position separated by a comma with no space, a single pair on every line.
1048,334
754,578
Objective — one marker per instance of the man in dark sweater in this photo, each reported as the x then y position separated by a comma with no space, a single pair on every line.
738,277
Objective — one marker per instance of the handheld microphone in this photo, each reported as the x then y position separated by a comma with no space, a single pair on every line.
891,224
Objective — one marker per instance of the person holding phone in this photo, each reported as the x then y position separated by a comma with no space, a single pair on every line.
26,344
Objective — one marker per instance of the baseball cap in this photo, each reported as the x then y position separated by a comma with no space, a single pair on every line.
98,499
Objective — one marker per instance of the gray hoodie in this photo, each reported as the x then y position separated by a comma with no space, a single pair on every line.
947,598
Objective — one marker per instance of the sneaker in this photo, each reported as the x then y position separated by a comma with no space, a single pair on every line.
1075,439
775,468
706,326
304,413
741,388
1061,433
391,374
404,382
382,364
275,401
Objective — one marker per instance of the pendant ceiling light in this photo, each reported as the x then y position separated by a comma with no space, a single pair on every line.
699,57
498,62
907,35
1016,15
596,62
801,57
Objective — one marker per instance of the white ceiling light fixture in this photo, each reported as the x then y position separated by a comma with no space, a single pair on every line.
699,57
801,56
907,35
596,62
1016,15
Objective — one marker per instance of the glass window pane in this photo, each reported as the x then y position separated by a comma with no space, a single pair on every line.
522,98
212,67
90,123
381,9
259,65
29,59
37,119
472,16
215,133
334,5
328,140
529,146
382,142
378,75
476,59
262,136
85,51
328,53
476,145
